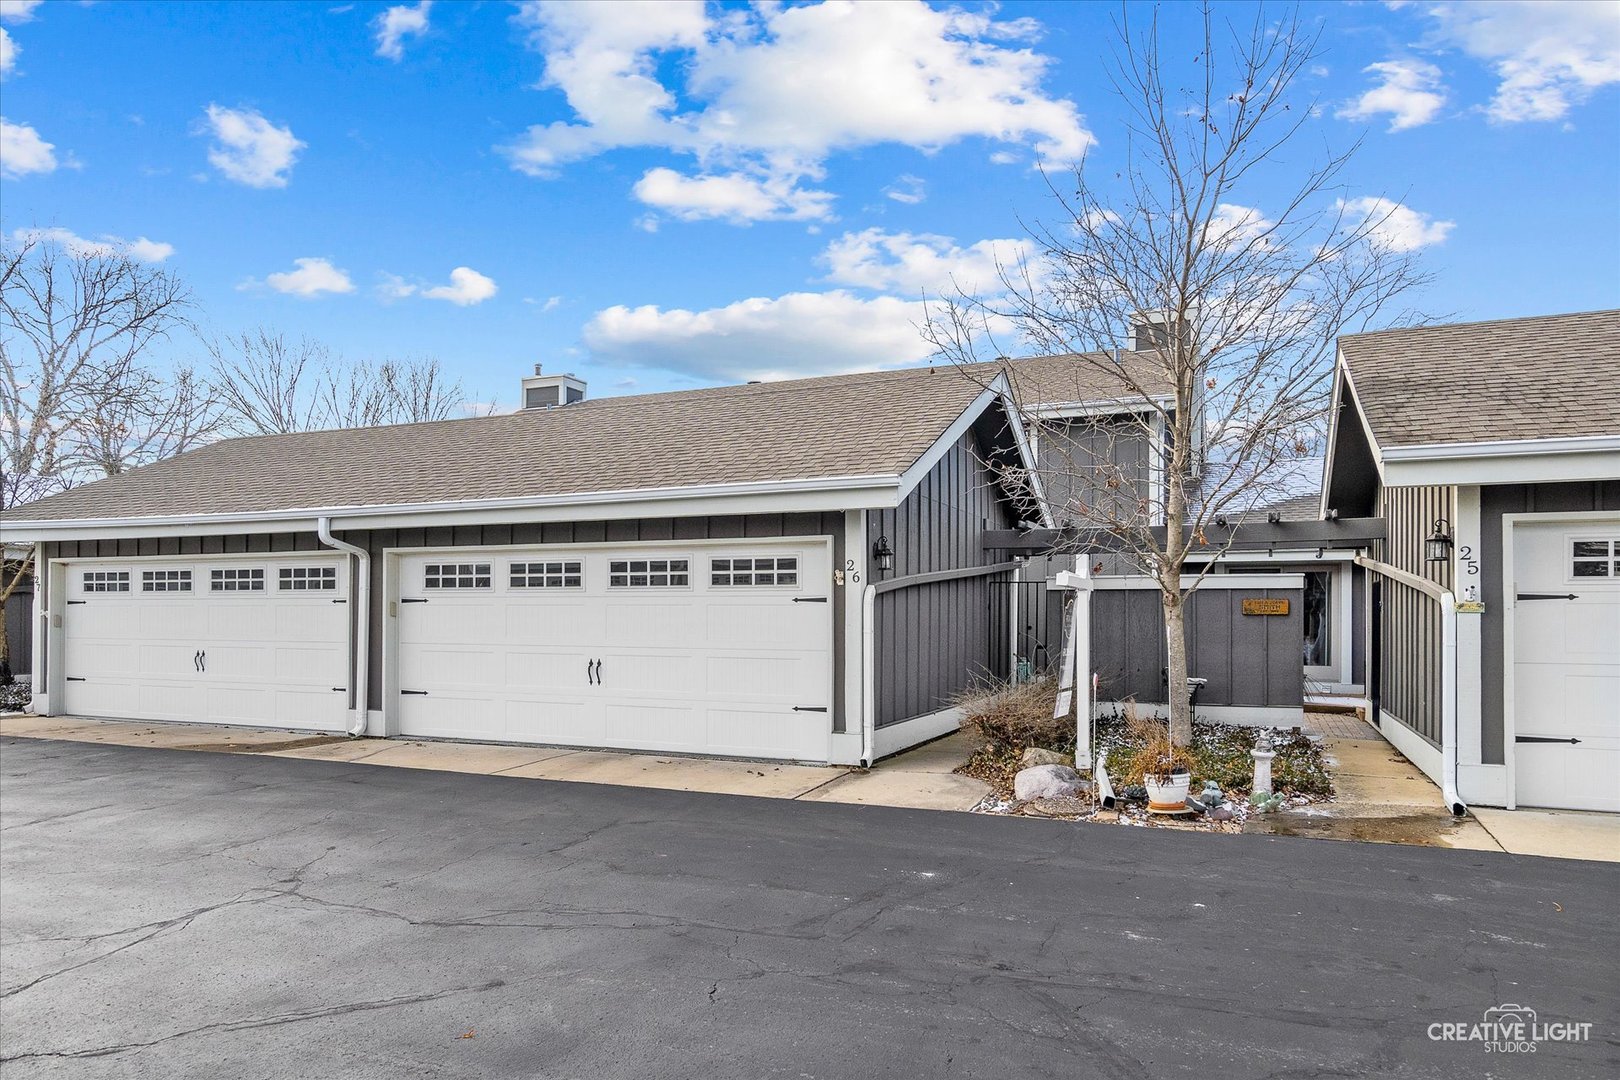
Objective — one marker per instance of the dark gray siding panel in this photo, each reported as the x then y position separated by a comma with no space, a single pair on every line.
1085,463
19,616
932,641
1247,660
1494,502
1410,661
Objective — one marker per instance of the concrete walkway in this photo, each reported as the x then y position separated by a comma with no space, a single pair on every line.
921,778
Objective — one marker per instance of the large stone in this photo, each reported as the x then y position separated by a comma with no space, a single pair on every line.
1036,756
1047,782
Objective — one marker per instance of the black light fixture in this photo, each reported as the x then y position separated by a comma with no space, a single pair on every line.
1437,548
884,554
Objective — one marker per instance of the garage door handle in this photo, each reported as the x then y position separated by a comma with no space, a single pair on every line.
809,708
1543,738
1546,596
197,660
809,599
599,673
418,693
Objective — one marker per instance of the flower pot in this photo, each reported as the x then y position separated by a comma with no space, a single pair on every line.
1169,797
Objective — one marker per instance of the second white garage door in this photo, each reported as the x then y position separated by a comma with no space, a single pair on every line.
723,650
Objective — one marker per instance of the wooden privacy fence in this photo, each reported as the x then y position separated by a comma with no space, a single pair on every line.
934,635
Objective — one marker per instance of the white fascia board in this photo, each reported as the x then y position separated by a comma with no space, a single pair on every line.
1527,461
1213,582
998,390
791,496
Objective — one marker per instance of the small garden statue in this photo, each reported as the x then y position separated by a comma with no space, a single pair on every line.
1212,796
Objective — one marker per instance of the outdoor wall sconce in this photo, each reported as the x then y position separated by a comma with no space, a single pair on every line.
884,554
1437,548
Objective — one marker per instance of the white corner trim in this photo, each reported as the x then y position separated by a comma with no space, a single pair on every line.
893,738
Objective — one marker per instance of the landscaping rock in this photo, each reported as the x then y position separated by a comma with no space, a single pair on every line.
1221,813
1068,806
1046,782
1036,756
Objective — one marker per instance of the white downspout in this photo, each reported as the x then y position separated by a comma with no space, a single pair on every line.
1448,703
868,678
362,624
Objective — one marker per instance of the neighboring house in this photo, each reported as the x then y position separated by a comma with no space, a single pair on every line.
18,612
1492,452
790,570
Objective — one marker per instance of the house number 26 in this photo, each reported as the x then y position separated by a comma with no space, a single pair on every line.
1465,555
851,575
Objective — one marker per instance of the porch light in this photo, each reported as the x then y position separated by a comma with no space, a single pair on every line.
884,554
1437,548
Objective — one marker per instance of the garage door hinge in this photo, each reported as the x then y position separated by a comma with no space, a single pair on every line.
809,708
1542,738
340,689
413,599
75,678
340,601
418,693
72,602
809,599
1546,596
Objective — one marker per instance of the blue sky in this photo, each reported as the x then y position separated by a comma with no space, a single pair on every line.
675,195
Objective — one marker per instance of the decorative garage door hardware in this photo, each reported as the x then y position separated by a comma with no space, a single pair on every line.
1546,596
417,693
809,599
200,660
1543,738
413,599
809,708
593,672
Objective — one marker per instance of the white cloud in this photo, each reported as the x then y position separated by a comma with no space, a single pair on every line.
1408,90
907,189
13,11
733,197
1395,226
22,151
919,264
312,278
140,249
773,91
1550,55
396,24
466,288
762,338
1235,225
250,149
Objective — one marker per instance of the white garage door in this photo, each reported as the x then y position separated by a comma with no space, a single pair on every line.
698,649
1566,669
260,641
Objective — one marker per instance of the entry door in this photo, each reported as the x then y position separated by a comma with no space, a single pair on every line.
261,642
1566,665
722,650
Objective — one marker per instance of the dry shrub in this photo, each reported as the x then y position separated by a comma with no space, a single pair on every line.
1016,715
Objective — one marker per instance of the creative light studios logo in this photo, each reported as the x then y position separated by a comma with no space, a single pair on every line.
1511,1029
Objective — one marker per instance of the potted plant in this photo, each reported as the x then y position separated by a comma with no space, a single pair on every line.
1160,766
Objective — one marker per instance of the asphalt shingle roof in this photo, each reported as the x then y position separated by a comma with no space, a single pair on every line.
1552,376
874,424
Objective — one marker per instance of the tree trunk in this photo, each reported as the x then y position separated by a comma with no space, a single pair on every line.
6,677
1176,692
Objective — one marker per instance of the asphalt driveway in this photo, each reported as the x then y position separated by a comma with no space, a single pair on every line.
170,914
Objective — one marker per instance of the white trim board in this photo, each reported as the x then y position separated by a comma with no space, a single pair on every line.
893,738
1234,715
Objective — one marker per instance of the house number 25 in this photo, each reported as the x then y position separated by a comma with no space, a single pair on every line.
1465,555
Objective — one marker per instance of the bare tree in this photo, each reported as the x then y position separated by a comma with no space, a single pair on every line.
75,394
269,385
1226,392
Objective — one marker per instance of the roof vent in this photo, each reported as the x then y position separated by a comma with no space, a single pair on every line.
542,391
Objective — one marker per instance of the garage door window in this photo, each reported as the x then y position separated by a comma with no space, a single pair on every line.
546,575
307,579
1595,558
245,579
456,576
648,573
106,581
728,573
165,581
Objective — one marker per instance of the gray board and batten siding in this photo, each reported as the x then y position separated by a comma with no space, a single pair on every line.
1410,624
934,640
19,616
1246,660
